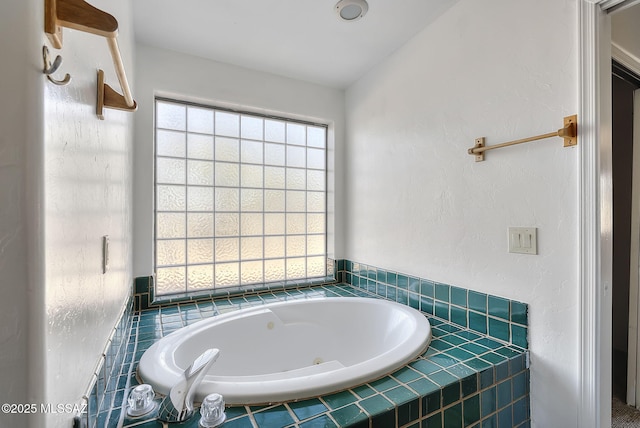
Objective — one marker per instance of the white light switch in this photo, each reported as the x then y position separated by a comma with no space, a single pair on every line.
105,253
523,240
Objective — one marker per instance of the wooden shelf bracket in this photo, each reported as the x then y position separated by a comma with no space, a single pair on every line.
80,15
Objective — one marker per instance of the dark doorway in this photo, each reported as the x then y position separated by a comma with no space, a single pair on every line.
624,83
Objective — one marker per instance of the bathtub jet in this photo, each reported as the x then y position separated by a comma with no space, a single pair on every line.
291,350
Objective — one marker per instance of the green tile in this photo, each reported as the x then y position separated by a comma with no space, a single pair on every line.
376,404
349,415
459,296
474,348
486,378
383,420
423,386
276,416
403,282
493,357
402,296
498,329
469,385
477,301
434,421
383,384
498,307
459,316
392,278
406,375
468,335
502,370
519,336
504,393
505,418
449,328
443,360
519,313
520,411
461,370
427,288
414,300
307,408
426,305
453,416
364,391
443,378
519,385
459,354
440,345
517,364
414,284
236,411
453,339
408,412
431,402
491,344
381,276
471,410
442,292
488,401
478,364
441,310
490,422
340,399
400,395
478,322
381,290
450,394
508,352
242,422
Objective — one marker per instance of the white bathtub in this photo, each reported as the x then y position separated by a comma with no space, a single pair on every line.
291,350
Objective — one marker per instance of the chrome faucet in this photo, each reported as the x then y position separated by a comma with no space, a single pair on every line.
177,406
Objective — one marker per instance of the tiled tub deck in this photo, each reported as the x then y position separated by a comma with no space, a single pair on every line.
464,379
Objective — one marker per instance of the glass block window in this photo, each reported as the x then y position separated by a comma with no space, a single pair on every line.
240,198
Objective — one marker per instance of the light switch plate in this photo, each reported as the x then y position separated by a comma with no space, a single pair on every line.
105,254
523,240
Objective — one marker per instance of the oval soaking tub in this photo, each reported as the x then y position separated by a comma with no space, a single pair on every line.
291,350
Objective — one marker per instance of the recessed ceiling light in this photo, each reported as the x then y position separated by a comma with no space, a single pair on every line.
351,10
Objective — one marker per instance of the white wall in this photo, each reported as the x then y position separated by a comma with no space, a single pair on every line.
419,204
66,181
88,194
18,44
170,74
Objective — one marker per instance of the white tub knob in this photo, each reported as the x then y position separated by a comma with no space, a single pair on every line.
141,400
212,411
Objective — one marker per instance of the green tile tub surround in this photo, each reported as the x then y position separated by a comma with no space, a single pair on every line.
453,384
493,316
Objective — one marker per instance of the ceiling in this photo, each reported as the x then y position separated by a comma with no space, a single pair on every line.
300,39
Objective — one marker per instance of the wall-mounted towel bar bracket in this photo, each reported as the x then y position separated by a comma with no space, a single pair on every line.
108,98
569,134
80,15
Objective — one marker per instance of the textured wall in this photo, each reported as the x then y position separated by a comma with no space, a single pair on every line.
196,79
87,194
418,203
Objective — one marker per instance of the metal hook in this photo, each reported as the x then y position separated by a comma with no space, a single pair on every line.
50,68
